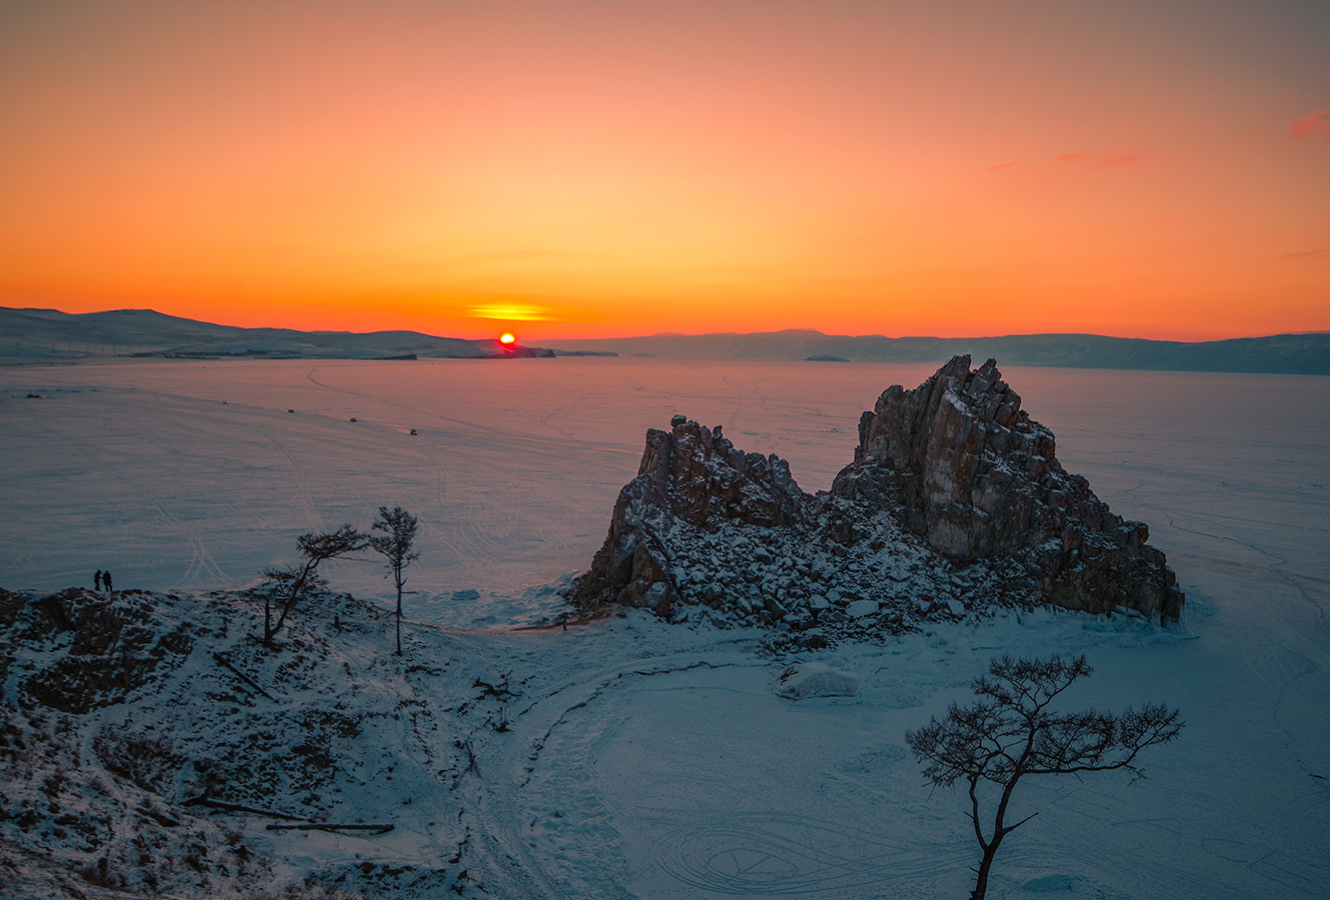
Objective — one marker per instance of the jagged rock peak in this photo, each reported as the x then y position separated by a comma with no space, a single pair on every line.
967,467
692,475
973,474
704,480
950,476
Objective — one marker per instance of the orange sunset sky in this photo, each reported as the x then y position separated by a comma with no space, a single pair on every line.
1149,169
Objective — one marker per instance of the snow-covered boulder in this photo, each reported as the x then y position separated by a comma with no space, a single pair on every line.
860,608
815,679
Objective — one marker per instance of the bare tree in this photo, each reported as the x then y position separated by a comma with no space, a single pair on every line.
399,528
288,585
1009,733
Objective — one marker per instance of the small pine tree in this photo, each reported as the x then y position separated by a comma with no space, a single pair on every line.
399,528
1009,733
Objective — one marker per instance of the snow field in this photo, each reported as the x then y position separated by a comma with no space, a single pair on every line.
650,760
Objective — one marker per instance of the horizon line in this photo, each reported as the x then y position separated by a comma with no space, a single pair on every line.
675,334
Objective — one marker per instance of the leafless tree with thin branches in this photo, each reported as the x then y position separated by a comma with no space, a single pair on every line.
1009,733
399,528
286,586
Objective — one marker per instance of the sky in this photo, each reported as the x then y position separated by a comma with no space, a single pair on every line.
1149,169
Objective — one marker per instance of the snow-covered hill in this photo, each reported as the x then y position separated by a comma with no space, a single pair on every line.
625,757
48,334
127,716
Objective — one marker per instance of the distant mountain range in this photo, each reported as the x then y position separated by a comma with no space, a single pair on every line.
37,334
1300,354
45,334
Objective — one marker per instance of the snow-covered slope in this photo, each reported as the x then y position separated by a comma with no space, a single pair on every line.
629,757
128,717
622,758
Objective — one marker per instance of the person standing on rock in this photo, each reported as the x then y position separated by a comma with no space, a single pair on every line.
97,580
106,579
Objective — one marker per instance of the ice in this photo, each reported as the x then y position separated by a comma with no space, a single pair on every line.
653,760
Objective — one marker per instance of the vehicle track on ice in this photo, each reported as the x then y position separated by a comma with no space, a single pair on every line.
555,804
201,559
550,833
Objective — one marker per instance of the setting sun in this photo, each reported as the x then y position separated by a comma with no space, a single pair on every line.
507,338
446,168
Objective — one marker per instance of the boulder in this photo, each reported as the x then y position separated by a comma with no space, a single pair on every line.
805,680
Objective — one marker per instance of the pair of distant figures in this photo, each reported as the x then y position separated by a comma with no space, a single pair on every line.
101,578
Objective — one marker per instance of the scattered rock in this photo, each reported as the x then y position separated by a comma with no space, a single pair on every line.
860,608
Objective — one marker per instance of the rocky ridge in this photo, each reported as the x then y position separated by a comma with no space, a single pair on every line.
955,504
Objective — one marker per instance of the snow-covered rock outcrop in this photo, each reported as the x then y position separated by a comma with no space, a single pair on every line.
970,471
150,747
955,502
695,477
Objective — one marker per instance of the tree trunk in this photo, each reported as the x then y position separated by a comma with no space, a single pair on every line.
981,880
296,590
397,579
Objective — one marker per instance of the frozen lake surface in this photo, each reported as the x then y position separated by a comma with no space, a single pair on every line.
696,781
201,474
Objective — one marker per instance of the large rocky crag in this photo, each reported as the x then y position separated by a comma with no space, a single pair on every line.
955,503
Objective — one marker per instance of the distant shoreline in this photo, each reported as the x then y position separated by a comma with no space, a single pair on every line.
44,335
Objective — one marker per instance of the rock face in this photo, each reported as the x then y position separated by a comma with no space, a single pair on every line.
974,475
955,502
690,476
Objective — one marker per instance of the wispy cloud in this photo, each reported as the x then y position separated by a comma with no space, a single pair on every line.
1119,159
518,312
998,167
1309,254
1316,123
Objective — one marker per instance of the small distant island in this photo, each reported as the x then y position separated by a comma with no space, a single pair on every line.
823,357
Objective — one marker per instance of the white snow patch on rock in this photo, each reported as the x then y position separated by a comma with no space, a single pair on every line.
860,608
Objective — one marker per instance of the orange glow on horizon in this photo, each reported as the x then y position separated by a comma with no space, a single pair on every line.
457,169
